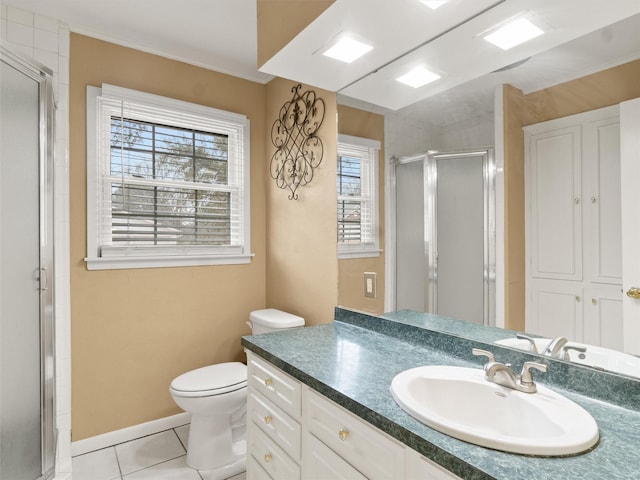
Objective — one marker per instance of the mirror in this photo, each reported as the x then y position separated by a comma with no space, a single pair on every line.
464,116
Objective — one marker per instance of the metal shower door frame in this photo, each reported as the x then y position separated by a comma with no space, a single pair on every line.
46,133
431,226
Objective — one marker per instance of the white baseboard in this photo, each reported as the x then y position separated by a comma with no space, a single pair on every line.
130,433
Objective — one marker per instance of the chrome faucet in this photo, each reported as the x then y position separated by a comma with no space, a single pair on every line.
577,348
502,374
554,349
532,343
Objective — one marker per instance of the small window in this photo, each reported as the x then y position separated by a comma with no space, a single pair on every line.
167,182
358,234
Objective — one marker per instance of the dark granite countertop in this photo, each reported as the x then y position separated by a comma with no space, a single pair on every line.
351,363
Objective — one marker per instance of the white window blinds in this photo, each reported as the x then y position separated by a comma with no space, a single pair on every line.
357,185
169,178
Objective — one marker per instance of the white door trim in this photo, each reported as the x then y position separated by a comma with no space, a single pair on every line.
630,172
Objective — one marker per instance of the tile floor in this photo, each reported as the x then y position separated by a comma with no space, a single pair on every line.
161,456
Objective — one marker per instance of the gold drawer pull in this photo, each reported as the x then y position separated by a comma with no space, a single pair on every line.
343,434
267,419
268,381
267,457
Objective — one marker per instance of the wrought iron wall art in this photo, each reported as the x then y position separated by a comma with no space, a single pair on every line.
294,134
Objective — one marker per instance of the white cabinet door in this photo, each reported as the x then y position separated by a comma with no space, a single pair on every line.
322,463
555,196
630,168
574,250
555,309
603,316
603,226
366,448
420,467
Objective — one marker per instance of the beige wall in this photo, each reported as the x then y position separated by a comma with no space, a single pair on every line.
514,267
302,265
598,90
359,123
133,331
279,21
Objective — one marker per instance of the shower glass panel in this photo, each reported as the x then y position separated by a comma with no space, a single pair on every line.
459,238
445,234
411,264
27,434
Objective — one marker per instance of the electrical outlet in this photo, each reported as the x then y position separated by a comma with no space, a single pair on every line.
370,284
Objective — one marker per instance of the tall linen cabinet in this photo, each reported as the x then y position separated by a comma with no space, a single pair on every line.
573,228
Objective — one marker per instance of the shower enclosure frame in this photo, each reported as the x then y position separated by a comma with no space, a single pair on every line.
45,276
486,155
429,160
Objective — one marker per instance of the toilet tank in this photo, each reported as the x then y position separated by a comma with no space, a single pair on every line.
271,320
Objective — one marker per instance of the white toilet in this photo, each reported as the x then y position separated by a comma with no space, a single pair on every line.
216,398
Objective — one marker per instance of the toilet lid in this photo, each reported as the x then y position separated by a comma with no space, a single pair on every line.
219,378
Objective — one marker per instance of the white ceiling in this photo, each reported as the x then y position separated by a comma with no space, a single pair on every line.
613,45
447,41
221,35
217,34
393,28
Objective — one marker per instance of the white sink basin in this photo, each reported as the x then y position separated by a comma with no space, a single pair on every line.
461,403
600,357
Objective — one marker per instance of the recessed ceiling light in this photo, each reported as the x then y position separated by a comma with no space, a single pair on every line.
433,4
347,50
418,77
514,33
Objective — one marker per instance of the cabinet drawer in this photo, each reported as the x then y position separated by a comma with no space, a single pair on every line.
421,467
274,384
270,456
283,429
322,463
366,448
255,471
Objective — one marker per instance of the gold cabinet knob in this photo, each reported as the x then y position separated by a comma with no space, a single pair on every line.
267,457
634,292
268,419
343,434
268,382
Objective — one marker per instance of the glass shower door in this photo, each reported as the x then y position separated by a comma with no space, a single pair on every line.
460,233
445,234
26,316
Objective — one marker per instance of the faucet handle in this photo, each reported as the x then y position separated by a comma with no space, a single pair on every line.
525,375
483,353
532,343
577,348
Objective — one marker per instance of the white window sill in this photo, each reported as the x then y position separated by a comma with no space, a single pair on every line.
359,254
126,262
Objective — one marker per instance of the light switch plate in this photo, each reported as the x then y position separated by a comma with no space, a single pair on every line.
370,284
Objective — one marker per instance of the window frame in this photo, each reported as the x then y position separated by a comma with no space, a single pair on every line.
368,151
183,115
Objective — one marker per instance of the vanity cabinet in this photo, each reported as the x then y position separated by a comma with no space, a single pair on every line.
293,432
364,447
273,422
573,228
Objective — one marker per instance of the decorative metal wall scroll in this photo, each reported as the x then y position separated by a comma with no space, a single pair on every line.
294,134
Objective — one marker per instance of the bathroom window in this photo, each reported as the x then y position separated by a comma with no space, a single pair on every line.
358,234
167,182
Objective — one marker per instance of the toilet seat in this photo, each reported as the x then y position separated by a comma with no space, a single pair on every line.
211,380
